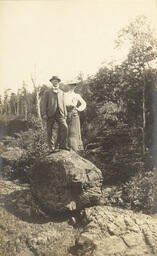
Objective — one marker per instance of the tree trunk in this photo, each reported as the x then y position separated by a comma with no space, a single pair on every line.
25,110
144,117
36,89
18,107
38,104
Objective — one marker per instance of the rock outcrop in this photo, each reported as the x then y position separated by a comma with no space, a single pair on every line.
14,125
109,231
98,231
65,181
11,155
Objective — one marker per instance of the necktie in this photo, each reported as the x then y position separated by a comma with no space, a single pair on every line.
55,90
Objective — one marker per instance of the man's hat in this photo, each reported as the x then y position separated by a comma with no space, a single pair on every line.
55,78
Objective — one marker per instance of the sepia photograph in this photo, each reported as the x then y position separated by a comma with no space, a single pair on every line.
78,128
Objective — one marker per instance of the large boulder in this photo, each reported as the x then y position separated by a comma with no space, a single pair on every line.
65,181
116,232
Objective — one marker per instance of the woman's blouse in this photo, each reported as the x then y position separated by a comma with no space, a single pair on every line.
73,99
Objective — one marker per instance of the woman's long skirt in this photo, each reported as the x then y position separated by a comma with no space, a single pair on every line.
74,131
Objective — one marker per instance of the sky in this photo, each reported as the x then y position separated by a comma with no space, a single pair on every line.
61,37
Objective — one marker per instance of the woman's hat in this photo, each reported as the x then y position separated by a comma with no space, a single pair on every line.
73,82
55,78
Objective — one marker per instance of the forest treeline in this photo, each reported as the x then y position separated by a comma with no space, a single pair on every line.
23,103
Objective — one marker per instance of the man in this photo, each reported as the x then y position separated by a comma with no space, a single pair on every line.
54,110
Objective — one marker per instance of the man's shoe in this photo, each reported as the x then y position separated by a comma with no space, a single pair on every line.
65,148
51,150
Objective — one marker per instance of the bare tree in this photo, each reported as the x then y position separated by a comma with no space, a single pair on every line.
37,95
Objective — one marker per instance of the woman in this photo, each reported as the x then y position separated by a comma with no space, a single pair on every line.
74,104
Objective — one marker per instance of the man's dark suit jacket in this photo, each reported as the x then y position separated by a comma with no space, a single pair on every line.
52,101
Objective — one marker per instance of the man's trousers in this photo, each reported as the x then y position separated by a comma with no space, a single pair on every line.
62,135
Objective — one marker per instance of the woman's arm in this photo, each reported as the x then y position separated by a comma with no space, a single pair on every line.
82,102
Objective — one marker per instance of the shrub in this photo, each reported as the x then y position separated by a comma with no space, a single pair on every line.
136,194
33,143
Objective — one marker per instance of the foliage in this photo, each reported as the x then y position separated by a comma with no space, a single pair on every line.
139,191
116,90
136,194
33,143
123,98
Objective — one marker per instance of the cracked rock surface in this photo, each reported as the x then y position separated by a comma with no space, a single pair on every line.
115,232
